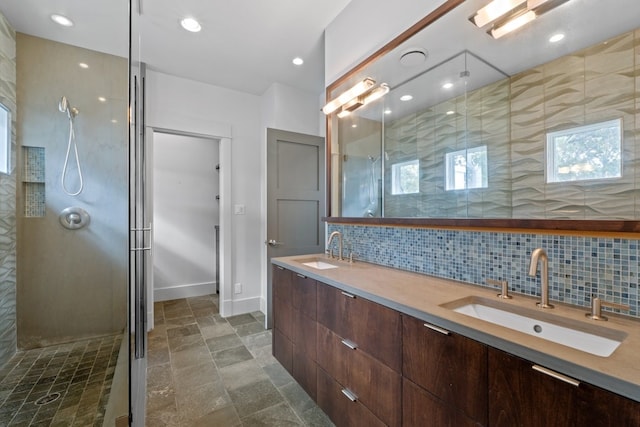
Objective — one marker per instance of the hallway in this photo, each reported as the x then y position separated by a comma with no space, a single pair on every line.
205,370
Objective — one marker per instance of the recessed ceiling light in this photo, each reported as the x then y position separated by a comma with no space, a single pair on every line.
447,85
83,65
450,112
406,98
102,99
62,20
298,61
556,37
114,121
354,125
387,111
191,24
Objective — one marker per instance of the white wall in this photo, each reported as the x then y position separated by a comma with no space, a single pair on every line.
189,106
363,27
185,213
179,104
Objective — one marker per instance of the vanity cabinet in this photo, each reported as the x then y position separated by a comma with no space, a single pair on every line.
520,395
282,344
294,331
450,369
368,365
359,349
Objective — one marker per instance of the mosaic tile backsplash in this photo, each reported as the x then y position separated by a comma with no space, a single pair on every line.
578,266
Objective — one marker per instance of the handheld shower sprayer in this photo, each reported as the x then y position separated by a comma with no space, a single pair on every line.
65,107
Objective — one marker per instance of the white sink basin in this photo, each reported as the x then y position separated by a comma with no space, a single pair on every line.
316,263
593,339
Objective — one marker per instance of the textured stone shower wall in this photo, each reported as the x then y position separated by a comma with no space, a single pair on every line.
72,284
8,199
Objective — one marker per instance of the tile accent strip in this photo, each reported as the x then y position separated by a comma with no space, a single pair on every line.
578,266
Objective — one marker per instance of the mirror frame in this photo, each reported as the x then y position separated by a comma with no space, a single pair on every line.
592,226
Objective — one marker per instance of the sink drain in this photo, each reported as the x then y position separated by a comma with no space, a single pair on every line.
47,399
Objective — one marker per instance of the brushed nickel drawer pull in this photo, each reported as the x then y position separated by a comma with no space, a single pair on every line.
279,268
347,294
302,276
350,344
556,375
350,395
437,329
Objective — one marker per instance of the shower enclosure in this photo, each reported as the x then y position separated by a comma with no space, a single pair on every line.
64,323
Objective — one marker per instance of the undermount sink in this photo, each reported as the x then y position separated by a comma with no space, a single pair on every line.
593,339
316,263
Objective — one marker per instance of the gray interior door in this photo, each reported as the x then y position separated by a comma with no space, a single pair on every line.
295,197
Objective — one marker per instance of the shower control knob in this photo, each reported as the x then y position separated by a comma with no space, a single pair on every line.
74,218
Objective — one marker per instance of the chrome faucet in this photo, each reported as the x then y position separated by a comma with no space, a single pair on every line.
331,236
540,256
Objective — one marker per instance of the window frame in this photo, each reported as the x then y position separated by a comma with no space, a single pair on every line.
395,172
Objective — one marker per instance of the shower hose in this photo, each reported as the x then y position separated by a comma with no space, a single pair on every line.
72,141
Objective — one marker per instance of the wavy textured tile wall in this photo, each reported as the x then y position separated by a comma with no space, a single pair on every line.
8,200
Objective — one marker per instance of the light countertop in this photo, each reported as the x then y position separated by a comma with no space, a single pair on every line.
422,296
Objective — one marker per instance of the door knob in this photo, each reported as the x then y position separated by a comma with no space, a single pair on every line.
273,242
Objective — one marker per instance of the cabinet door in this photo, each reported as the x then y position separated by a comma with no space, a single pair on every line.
304,371
282,295
375,328
601,408
376,386
304,295
282,350
521,396
343,411
450,366
421,408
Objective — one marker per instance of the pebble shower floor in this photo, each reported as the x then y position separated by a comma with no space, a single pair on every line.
62,385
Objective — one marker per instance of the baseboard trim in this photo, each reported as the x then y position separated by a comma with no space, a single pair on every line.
184,291
240,306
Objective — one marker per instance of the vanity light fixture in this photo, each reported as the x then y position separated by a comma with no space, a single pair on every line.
365,99
61,20
494,10
190,24
506,16
357,90
512,24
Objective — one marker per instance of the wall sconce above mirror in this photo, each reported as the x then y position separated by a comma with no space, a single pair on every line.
518,130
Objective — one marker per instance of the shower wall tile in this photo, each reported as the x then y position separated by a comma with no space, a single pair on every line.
579,266
8,329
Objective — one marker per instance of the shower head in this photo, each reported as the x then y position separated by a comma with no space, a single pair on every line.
65,107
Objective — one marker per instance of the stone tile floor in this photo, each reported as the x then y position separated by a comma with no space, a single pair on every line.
79,373
204,370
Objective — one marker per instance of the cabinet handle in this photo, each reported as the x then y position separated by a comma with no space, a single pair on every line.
437,329
350,344
347,294
302,276
280,268
350,395
556,375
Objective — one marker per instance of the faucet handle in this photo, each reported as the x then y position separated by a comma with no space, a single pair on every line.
596,308
504,285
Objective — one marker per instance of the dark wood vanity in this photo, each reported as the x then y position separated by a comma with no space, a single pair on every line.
366,364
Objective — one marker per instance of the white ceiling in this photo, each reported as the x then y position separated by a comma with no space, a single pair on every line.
245,45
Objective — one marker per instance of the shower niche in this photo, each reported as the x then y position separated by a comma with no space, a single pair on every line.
33,182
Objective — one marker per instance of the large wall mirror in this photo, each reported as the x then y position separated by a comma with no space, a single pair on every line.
464,122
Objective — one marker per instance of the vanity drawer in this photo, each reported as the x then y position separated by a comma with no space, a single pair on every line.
377,386
282,308
450,366
304,334
374,327
304,295
282,350
304,371
341,409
